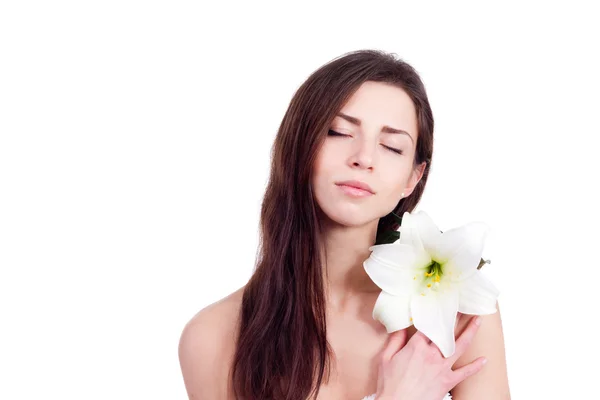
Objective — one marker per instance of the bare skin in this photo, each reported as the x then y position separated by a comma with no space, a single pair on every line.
208,342
365,148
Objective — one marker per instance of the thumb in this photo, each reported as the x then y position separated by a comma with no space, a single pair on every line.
395,342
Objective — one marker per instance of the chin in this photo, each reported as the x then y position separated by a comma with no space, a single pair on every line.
349,216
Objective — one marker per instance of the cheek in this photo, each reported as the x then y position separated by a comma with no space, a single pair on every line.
395,186
317,171
393,180
320,177
323,168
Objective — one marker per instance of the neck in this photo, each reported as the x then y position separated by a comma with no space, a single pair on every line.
345,250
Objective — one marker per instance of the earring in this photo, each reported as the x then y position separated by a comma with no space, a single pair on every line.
402,195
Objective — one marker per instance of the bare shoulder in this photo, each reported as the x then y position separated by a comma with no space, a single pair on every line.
491,382
206,348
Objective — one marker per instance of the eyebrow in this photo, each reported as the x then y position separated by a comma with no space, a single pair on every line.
385,129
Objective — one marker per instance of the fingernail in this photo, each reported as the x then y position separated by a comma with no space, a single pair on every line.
478,321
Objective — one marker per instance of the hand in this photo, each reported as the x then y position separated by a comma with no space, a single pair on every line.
418,370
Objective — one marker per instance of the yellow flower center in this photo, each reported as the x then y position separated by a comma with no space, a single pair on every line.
432,276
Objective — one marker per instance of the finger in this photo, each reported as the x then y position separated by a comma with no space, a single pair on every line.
420,335
459,319
432,348
462,321
435,350
396,340
465,338
462,373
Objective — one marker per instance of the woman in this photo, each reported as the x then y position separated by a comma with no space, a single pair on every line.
354,145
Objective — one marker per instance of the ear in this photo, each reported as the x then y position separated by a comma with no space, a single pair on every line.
415,177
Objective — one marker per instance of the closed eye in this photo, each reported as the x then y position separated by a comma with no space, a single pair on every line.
334,133
397,151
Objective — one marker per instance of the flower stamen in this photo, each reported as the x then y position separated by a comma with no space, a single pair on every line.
433,276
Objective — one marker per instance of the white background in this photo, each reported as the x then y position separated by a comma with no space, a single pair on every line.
134,152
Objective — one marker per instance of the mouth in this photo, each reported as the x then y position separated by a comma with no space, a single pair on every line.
356,184
356,188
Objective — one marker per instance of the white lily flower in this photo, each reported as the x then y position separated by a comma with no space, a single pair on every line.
428,276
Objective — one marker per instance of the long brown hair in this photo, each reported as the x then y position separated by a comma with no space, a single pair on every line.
282,350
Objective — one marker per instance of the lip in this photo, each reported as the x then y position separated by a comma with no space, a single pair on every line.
356,184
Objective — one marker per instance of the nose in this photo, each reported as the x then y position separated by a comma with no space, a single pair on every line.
363,155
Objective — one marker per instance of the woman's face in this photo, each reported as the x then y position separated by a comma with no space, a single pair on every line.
368,153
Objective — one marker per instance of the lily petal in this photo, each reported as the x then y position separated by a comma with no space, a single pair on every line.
478,296
435,316
410,235
460,249
395,279
396,255
428,230
392,311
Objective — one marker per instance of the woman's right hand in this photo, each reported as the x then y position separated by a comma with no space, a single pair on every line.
418,370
